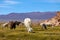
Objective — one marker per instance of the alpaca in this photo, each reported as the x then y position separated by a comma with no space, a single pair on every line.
27,23
5,24
13,24
43,25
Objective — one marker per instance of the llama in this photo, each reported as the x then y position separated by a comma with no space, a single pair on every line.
48,23
11,24
27,23
43,25
5,24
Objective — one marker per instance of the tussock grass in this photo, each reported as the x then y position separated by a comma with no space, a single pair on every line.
20,33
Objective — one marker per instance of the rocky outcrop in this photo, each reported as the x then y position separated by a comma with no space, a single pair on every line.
56,19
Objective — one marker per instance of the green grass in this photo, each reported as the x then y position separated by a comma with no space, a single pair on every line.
20,33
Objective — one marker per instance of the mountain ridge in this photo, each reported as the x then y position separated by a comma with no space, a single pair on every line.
32,15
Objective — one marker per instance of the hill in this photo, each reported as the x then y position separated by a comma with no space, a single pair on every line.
32,15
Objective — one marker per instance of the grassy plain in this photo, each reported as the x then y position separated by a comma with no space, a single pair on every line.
38,33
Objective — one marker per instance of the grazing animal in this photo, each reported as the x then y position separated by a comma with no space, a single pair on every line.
13,24
5,24
50,24
44,26
27,23
47,24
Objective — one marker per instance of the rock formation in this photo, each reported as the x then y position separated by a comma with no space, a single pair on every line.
55,20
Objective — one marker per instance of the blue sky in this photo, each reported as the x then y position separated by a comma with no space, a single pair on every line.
21,6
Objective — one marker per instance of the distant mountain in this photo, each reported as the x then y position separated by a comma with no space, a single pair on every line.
32,15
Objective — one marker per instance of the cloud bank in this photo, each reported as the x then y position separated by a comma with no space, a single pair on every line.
6,3
10,2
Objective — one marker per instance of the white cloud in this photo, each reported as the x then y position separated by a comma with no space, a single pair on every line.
3,5
11,2
7,3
